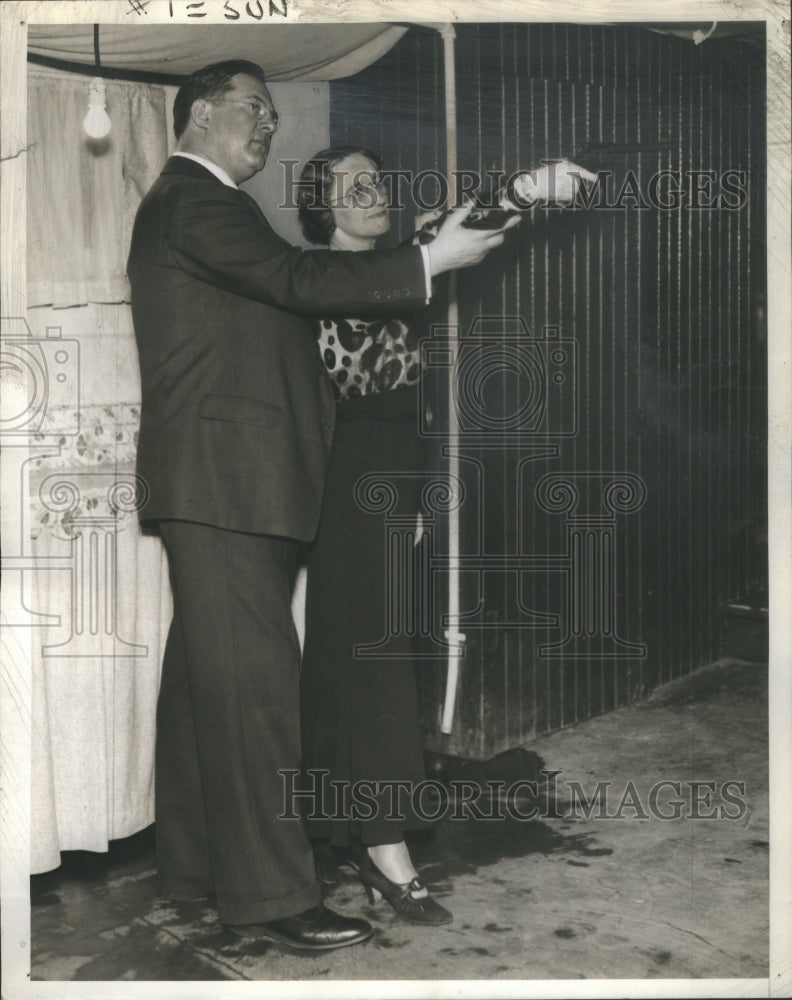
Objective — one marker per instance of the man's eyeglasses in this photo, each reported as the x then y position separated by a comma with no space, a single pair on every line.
363,193
257,110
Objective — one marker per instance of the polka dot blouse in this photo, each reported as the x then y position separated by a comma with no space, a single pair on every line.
364,357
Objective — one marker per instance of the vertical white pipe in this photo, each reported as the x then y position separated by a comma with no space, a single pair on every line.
452,635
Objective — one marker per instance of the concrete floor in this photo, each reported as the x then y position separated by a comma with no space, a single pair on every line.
556,897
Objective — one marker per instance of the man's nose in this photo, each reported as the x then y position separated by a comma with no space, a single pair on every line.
268,124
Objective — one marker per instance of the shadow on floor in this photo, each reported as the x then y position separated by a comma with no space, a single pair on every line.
582,875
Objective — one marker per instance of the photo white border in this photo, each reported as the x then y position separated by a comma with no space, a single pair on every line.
15,687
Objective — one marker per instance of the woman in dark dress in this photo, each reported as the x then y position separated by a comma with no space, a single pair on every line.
360,714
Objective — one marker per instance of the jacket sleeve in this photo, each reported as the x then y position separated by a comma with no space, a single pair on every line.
227,242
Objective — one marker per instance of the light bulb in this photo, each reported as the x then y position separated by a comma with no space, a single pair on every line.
97,122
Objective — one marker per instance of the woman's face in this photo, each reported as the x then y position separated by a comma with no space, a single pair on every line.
359,205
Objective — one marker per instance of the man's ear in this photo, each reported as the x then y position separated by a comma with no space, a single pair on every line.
201,113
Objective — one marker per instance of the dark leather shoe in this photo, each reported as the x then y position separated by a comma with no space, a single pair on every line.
317,929
325,863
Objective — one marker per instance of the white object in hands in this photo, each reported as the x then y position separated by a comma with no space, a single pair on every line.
556,182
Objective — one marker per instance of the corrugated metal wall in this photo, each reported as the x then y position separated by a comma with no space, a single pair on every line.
615,479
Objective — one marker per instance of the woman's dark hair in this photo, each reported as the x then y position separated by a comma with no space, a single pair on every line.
316,182
209,83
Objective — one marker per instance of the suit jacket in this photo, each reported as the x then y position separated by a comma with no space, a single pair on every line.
237,411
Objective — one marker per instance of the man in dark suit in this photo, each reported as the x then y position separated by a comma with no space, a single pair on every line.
236,427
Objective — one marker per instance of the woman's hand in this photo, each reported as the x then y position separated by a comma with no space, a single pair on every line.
424,218
456,246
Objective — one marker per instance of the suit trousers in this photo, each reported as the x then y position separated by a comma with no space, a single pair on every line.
227,723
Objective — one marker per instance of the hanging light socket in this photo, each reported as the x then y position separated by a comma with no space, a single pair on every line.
97,122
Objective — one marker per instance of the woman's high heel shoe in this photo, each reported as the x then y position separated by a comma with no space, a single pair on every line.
420,910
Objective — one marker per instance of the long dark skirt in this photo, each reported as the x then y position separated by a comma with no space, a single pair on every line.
360,721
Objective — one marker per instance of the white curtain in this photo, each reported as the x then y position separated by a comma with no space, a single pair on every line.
102,583
94,690
83,193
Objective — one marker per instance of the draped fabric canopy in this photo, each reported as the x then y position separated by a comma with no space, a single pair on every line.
285,51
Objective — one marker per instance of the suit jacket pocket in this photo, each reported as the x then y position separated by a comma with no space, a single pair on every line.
240,410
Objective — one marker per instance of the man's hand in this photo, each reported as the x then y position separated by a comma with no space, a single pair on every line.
455,246
554,183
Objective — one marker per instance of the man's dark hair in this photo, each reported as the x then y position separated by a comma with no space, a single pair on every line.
209,84
313,194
